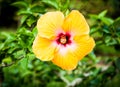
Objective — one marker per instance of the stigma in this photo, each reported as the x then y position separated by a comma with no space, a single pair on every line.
64,39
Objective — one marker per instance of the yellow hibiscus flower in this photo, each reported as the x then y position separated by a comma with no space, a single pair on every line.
62,40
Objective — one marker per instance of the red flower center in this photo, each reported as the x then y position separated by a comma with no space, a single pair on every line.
63,39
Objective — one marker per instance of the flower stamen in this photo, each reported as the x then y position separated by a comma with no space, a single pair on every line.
63,39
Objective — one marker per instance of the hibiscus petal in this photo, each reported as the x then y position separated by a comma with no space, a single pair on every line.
76,23
49,24
65,58
43,48
84,44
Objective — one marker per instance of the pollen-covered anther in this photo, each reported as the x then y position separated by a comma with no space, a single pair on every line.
63,39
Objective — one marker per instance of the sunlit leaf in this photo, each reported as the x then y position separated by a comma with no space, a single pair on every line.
107,21
102,14
23,19
52,3
7,60
37,9
93,16
24,63
20,4
30,21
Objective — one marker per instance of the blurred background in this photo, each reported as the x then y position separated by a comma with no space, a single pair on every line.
20,68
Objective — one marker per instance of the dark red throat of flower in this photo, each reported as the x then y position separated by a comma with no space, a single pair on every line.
63,39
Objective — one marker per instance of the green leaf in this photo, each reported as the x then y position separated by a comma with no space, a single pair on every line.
93,30
23,19
52,3
37,9
65,6
95,71
93,57
1,45
12,49
24,63
111,69
24,31
9,37
116,24
107,39
24,12
106,29
107,21
19,53
112,42
67,12
35,31
93,16
30,21
29,1
21,42
114,82
26,74
20,4
117,63
56,84
102,14
7,60
25,38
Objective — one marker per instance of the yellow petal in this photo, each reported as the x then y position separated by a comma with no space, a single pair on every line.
49,24
43,48
84,44
76,23
65,58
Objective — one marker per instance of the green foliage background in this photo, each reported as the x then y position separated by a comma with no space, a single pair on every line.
20,68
